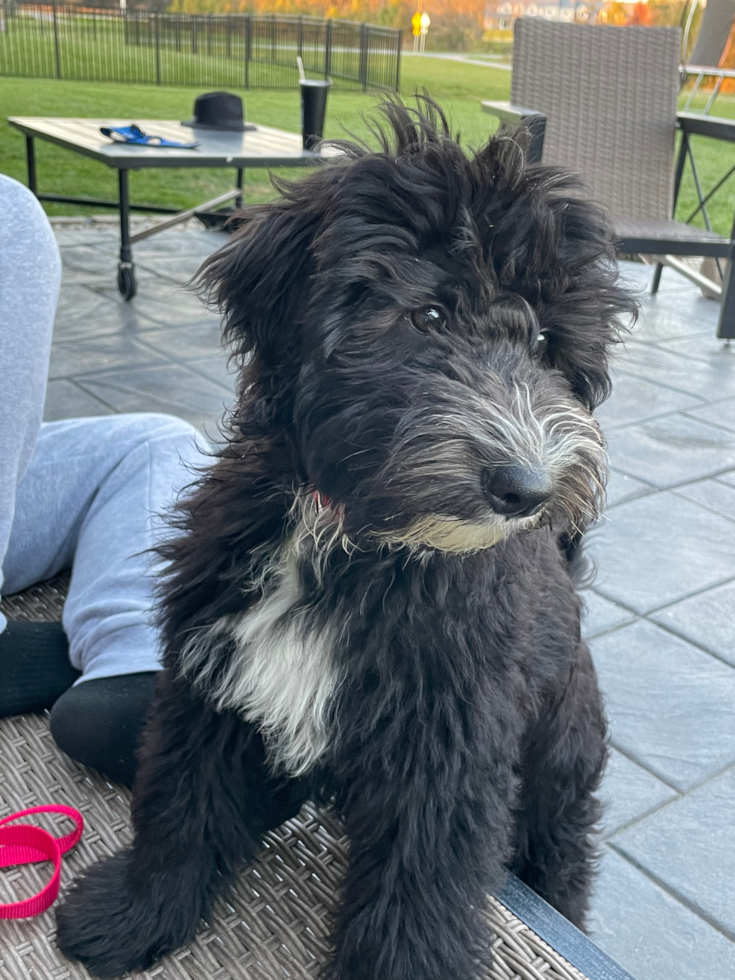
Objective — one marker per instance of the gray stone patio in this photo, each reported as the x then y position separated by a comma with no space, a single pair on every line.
659,618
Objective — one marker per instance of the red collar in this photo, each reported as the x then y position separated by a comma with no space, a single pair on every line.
323,502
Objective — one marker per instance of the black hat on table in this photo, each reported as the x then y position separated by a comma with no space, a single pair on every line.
218,110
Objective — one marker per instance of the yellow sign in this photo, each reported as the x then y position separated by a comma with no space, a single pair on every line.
416,23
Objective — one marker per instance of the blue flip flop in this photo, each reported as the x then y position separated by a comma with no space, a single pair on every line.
134,134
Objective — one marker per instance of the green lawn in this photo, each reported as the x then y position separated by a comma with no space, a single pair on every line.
458,87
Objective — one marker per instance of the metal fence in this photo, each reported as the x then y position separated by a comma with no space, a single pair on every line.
216,50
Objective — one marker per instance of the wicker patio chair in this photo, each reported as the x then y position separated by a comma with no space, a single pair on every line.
710,48
601,101
273,924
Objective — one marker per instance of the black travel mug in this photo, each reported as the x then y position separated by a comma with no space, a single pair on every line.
313,110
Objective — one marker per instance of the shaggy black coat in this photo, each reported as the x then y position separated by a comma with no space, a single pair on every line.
409,322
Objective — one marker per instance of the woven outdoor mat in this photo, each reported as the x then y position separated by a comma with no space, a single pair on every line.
42,603
271,926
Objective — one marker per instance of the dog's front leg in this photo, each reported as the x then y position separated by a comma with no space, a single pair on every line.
202,800
564,757
423,857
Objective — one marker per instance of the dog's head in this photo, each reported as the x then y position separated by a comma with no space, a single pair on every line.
431,329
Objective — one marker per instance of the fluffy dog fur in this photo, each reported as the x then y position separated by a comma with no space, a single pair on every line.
370,603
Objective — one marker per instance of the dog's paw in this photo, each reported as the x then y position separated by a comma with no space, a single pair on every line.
112,928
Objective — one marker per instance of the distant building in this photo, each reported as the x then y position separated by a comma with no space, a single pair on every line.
500,16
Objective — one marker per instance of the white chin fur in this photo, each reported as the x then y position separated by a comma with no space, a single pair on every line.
452,535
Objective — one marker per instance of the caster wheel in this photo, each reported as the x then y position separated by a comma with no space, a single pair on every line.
126,281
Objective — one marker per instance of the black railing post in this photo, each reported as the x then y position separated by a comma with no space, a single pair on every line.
228,37
398,61
328,50
194,30
300,41
57,53
364,39
248,29
157,36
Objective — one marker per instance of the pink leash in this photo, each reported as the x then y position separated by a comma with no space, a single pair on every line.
27,844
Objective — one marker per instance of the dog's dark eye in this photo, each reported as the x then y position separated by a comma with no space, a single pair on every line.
428,318
540,343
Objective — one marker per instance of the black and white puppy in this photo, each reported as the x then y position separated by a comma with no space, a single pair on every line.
370,602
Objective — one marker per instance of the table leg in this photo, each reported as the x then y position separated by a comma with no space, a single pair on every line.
125,269
240,178
31,158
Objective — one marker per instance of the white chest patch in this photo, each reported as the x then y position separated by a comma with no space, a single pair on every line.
282,675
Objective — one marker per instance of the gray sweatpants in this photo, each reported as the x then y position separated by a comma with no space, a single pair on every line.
81,493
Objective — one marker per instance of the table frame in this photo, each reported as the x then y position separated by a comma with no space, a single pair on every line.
126,281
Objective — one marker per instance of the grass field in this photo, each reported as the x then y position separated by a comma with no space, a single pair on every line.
458,87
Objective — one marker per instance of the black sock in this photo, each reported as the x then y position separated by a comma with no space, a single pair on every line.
34,666
99,722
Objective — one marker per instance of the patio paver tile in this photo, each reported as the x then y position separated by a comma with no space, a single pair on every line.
106,237
166,388
600,615
186,342
704,346
636,275
84,312
161,302
621,487
215,368
65,400
690,847
84,264
680,296
657,324
178,268
707,619
179,240
671,706
671,450
637,400
717,413
629,792
712,494
708,379
657,549
650,933
93,353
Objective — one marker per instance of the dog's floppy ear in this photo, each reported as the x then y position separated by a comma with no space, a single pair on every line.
260,278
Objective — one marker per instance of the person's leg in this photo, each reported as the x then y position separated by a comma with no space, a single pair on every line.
94,495
34,664
88,486
30,276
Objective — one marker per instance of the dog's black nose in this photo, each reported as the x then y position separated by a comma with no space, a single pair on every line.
516,491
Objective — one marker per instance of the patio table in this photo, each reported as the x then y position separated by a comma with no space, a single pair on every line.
261,146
